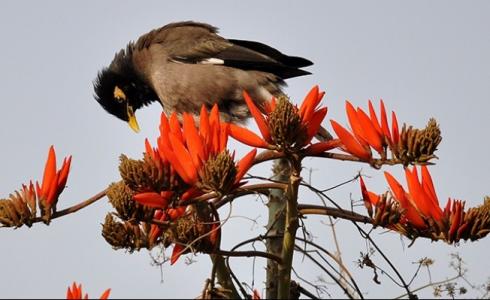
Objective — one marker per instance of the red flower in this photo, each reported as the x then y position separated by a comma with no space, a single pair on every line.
188,147
311,116
367,131
75,292
54,181
419,203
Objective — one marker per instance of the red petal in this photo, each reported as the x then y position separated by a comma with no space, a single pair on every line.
370,133
355,124
184,158
169,154
401,196
416,191
384,122
245,164
193,141
164,125
178,248
321,147
149,149
214,123
63,178
258,116
223,137
49,171
105,294
39,191
69,295
175,127
204,124
309,103
394,128
175,213
374,119
247,137
270,106
396,188
214,116
52,195
351,144
429,189
368,203
153,199
315,123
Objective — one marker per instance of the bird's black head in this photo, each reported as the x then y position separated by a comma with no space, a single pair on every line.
121,91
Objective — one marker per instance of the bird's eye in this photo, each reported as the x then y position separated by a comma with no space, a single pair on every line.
119,94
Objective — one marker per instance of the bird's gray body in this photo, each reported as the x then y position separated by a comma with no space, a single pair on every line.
187,64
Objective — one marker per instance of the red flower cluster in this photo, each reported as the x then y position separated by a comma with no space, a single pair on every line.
75,292
54,181
367,131
420,205
187,148
310,114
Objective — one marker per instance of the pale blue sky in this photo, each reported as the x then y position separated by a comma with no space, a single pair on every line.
424,58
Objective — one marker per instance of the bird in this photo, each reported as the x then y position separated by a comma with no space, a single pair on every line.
185,65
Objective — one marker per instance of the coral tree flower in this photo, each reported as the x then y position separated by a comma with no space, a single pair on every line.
189,147
197,155
367,131
54,181
75,292
421,210
419,203
310,117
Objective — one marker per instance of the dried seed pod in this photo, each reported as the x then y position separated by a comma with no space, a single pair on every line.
144,175
193,229
287,130
386,212
418,145
476,222
123,235
121,198
218,174
20,208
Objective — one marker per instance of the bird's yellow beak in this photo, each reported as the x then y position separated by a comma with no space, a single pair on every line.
133,123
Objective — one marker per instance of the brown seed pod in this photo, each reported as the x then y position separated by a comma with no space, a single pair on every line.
218,174
287,130
121,198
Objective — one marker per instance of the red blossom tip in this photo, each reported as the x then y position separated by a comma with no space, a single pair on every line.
258,116
350,142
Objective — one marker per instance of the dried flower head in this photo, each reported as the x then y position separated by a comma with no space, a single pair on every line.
218,173
387,211
121,198
196,230
418,145
20,208
145,175
124,235
286,128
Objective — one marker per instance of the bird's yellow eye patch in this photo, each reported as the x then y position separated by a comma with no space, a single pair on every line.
119,94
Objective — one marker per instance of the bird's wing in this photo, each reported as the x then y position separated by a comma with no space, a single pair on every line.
198,43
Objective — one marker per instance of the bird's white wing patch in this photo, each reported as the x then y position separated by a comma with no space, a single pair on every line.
212,61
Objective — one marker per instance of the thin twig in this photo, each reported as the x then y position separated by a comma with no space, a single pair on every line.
74,208
249,254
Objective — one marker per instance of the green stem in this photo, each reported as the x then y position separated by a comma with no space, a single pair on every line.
275,227
291,226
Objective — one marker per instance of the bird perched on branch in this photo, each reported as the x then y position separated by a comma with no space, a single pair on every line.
187,64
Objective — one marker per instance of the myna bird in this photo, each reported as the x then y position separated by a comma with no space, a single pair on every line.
187,64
